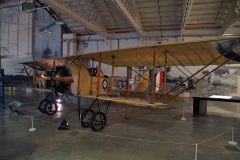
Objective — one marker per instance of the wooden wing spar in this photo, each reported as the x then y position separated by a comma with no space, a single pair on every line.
207,52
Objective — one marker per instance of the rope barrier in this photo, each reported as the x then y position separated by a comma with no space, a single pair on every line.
113,136
214,137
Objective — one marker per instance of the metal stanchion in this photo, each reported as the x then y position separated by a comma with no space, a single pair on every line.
196,151
232,142
183,116
32,129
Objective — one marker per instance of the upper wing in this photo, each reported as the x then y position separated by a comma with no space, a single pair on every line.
178,54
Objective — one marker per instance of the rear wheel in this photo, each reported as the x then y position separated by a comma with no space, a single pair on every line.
86,117
51,108
41,106
98,121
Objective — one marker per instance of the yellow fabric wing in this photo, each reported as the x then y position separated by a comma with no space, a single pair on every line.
180,54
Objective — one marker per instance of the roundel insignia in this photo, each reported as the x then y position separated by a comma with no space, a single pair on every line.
104,84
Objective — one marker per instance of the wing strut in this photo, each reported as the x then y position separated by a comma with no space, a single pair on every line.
91,92
78,92
112,77
153,78
129,75
178,62
165,75
225,61
34,75
99,74
192,75
27,74
202,77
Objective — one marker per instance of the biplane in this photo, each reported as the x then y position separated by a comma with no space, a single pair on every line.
85,80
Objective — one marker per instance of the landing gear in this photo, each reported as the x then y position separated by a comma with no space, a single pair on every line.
49,105
96,120
42,104
51,108
86,118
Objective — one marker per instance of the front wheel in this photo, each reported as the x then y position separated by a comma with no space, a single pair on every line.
42,105
86,117
51,108
98,121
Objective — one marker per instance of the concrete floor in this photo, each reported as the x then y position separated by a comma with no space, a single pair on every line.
147,134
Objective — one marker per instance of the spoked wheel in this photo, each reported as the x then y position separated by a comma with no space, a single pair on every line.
51,108
42,106
98,121
86,118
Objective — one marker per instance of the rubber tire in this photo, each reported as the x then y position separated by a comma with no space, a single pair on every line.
102,123
49,104
42,105
86,124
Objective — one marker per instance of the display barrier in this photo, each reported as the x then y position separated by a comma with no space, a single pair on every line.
32,129
183,118
199,149
217,147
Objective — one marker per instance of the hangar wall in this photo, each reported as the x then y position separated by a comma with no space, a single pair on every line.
16,37
16,32
17,42
95,43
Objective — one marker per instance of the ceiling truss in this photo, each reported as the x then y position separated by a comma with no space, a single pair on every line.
186,12
83,12
177,18
129,9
